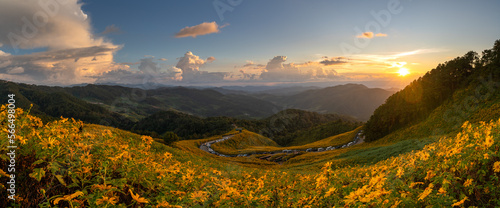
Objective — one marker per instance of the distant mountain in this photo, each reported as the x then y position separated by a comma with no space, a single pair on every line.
355,100
50,103
139,103
135,104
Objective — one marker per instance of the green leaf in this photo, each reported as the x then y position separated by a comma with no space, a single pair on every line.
38,174
61,180
38,162
4,157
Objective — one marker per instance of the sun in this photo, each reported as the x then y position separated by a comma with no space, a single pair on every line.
403,72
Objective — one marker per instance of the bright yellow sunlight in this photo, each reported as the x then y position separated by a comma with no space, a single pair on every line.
403,72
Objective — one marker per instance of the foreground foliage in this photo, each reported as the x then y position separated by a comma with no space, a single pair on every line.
63,166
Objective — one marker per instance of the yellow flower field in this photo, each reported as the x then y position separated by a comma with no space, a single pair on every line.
63,166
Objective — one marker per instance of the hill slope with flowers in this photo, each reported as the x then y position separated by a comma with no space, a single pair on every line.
61,164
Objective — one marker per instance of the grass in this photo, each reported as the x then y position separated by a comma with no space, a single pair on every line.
102,166
444,161
243,142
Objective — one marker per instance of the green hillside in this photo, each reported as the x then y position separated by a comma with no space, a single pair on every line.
478,76
242,141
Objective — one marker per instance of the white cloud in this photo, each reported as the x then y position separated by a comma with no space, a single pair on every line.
276,70
3,53
190,65
74,54
187,70
197,30
28,24
62,67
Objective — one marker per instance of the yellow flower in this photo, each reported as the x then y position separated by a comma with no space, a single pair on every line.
486,156
468,182
320,181
68,197
3,173
167,155
106,200
264,198
199,195
400,172
147,139
442,191
138,198
102,187
49,142
459,203
396,203
426,192
163,204
430,175
496,166
488,142
330,191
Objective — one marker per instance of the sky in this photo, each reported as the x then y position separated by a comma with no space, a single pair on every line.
238,42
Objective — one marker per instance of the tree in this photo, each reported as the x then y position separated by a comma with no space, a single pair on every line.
169,137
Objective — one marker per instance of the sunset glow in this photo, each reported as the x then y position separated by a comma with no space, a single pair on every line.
226,44
403,72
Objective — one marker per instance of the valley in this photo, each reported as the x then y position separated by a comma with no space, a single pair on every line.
435,143
267,154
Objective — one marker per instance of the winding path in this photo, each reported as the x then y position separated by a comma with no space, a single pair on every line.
207,147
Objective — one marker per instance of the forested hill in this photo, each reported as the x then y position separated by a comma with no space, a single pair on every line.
278,127
138,103
50,103
416,101
141,111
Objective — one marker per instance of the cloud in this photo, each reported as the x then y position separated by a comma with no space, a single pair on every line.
249,63
201,29
334,61
16,70
162,59
61,67
149,72
370,35
73,53
366,35
27,24
247,76
210,59
147,65
277,71
111,29
190,65
3,53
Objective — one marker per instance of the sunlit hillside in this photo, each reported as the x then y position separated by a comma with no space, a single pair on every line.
100,166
